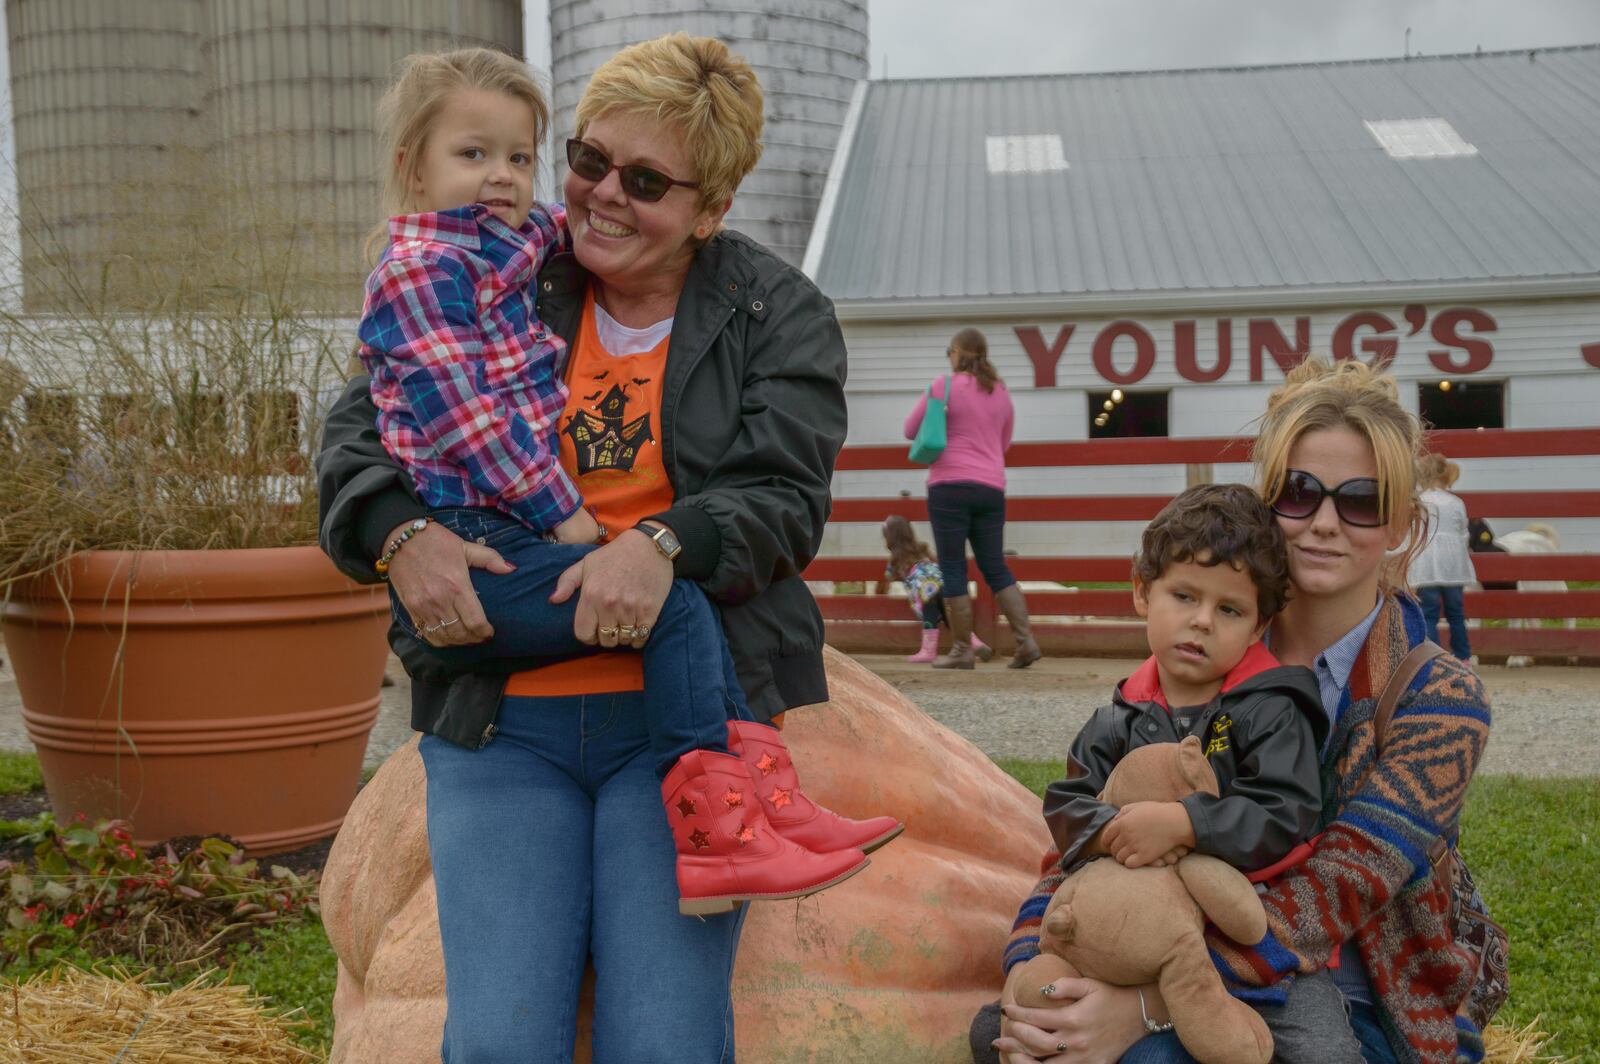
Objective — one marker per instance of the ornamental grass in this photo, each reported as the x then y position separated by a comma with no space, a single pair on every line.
184,419
72,1016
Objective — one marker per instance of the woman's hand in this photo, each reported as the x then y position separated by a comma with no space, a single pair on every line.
430,574
1095,1023
622,584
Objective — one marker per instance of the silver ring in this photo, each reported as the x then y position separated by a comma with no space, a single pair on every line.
1061,1047
447,624
642,632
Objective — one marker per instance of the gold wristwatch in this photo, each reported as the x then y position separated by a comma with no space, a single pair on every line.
663,538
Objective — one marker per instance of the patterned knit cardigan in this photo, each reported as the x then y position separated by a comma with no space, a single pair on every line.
1369,875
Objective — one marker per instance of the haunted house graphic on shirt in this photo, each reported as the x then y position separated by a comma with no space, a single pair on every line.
603,437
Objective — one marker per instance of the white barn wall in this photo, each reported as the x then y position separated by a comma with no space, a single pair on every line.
1537,350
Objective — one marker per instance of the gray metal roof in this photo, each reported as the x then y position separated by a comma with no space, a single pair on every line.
1224,179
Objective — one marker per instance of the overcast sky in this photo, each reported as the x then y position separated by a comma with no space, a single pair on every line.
942,38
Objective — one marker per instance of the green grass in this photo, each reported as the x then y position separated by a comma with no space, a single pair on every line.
19,773
292,966
1534,846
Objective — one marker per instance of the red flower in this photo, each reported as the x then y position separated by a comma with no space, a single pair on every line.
71,920
126,852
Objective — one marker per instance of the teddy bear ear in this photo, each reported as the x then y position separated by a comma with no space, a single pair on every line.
1197,771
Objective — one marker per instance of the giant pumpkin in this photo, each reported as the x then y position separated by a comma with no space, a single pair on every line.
887,967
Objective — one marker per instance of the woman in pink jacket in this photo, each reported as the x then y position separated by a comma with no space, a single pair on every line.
967,496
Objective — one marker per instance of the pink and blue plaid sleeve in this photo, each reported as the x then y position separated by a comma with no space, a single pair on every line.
550,233
422,317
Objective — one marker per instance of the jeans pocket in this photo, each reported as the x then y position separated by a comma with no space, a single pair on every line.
402,619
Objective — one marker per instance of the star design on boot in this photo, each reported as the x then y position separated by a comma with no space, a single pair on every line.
767,764
686,807
780,798
745,834
700,839
733,799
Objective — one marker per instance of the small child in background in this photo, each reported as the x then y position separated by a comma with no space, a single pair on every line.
912,563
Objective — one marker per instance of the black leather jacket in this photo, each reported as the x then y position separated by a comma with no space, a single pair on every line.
753,416
1262,734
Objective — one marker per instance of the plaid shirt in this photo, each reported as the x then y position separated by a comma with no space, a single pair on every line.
467,380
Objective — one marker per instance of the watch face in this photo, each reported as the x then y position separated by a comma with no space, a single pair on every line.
668,542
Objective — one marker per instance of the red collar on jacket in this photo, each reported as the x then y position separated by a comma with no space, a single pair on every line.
1145,683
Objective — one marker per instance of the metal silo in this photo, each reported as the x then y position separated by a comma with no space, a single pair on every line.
809,54
106,108
294,87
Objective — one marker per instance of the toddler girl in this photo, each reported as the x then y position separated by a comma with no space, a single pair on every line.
469,384
912,562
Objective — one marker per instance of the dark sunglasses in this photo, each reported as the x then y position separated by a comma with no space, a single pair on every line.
639,182
1355,501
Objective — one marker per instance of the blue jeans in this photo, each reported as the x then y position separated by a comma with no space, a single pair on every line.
549,846
1450,599
694,689
963,513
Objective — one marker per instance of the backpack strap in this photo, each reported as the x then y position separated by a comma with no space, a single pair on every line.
1399,680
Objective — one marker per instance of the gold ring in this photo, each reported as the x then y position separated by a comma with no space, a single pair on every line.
642,632
608,630
626,631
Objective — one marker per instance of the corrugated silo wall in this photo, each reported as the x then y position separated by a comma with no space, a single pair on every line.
106,111
293,93
809,54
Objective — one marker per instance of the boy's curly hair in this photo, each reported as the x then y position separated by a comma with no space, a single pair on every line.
1219,523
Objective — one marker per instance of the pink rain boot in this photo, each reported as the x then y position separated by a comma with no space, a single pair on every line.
930,647
982,649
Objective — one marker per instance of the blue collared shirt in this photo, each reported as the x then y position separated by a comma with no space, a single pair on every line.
1333,667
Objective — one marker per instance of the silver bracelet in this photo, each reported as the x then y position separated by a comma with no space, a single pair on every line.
1151,1025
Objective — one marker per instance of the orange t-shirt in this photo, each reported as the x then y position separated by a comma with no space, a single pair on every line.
611,448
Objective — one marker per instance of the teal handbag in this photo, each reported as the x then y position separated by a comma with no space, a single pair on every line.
928,444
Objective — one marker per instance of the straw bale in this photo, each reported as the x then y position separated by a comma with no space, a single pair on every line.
1517,1045
71,1016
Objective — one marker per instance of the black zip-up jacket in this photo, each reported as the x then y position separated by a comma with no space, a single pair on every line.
1262,735
753,416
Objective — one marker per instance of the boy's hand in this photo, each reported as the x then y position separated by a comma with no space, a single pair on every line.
581,527
1146,833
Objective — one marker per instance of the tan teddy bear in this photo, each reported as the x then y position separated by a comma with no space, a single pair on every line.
1131,926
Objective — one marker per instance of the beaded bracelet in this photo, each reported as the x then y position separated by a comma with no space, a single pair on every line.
382,564
1151,1025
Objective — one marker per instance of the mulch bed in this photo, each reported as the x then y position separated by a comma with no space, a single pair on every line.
309,858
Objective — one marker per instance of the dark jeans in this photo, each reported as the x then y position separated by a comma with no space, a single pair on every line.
688,672
963,513
1451,599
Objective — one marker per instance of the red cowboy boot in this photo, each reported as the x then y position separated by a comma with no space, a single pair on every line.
728,852
795,816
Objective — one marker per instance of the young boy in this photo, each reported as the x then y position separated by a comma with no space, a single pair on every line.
1211,572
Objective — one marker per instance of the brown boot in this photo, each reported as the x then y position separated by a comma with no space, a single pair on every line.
1015,607
958,611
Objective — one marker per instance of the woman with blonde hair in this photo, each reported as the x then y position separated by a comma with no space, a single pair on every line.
1336,459
967,496
1442,568
703,414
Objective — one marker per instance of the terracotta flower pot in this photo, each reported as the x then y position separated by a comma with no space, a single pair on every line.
190,692
887,968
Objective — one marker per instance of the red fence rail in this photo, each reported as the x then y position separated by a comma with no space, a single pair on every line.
1104,622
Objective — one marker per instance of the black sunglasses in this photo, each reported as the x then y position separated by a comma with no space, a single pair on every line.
639,182
1355,501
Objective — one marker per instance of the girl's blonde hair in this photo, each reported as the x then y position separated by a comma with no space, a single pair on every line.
1348,394
1437,471
695,87
411,105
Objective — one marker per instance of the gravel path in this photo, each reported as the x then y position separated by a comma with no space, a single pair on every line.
1546,719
